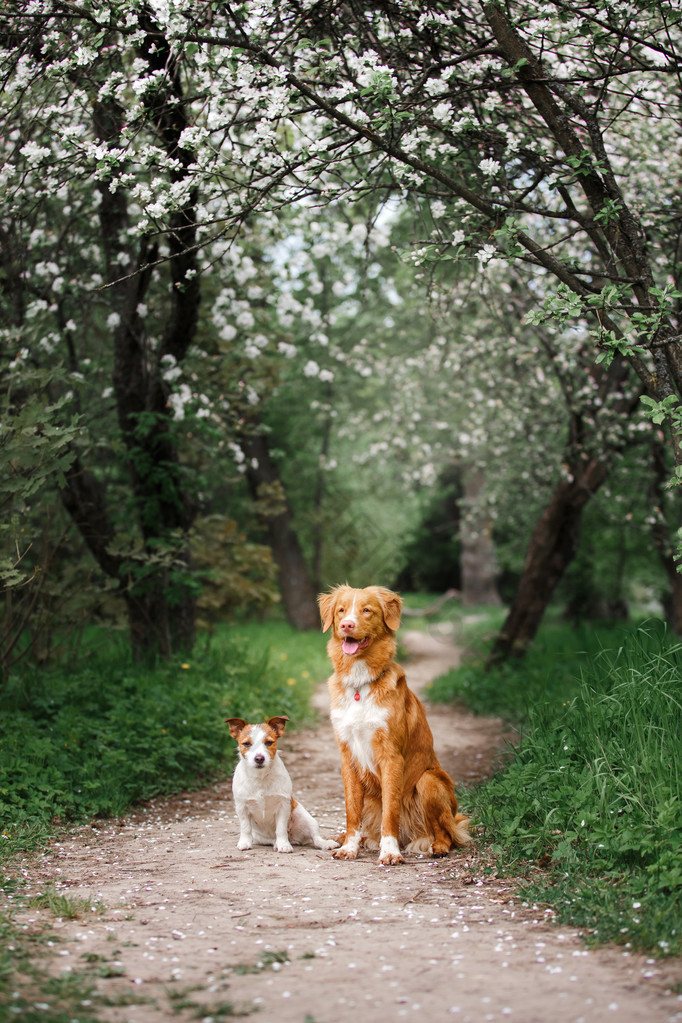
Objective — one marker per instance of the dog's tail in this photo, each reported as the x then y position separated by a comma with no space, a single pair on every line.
460,831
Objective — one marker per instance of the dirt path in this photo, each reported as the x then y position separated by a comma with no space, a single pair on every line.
190,924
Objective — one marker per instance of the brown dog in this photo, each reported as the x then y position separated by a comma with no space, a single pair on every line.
396,791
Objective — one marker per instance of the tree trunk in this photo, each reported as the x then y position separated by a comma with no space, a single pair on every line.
158,623
552,547
156,584
673,605
159,619
318,498
665,543
266,487
479,564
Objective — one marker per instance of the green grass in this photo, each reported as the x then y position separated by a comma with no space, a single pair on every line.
65,906
546,675
97,738
93,739
590,810
298,656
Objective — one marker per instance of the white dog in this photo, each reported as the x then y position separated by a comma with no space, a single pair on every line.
268,813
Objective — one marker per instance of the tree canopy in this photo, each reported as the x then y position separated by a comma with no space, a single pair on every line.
243,241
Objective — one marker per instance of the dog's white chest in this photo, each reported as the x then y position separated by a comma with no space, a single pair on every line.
263,812
358,676
265,786
262,795
356,723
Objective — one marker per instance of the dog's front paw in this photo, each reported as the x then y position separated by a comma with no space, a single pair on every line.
391,859
389,852
328,843
284,847
346,852
244,843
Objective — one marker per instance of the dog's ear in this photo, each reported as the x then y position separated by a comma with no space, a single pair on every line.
326,603
235,725
278,724
392,607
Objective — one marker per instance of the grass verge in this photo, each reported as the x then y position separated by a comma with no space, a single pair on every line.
589,813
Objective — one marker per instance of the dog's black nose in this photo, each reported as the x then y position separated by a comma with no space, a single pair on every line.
259,759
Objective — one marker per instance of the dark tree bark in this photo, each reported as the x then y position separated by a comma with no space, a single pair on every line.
318,498
665,544
552,547
298,595
673,605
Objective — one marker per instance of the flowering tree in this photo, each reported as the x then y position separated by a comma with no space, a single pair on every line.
537,131
143,138
403,387
310,362
102,278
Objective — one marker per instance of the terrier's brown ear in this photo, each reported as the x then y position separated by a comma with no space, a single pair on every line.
235,725
278,725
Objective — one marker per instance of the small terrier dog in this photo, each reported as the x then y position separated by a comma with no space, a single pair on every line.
268,813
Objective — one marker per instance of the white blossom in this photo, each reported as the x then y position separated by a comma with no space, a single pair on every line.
485,254
489,166
178,400
155,210
170,370
33,152
245,320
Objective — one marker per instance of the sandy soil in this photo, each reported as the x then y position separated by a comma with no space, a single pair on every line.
187,925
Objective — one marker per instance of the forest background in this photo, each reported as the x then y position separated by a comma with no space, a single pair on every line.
304,292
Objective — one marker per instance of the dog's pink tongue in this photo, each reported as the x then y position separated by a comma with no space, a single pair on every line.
350,646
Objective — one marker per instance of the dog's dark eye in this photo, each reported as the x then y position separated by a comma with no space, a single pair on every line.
341,611
246,745
269,742
367,610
